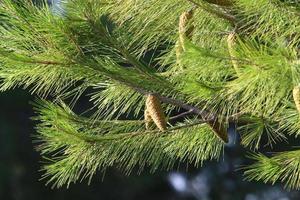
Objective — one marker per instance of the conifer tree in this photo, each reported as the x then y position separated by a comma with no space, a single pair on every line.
165,79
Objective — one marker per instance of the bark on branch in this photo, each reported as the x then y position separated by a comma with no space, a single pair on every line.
217,12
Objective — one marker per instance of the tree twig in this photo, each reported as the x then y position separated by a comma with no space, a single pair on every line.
192,109
181,115
218,13
46,62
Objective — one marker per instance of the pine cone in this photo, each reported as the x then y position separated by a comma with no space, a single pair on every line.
153,107
185,31
296,96
185,27
230,44
147,118
220,130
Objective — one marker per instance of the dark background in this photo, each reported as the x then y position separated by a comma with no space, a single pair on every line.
20,164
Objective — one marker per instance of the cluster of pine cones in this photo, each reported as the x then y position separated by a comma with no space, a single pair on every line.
153,110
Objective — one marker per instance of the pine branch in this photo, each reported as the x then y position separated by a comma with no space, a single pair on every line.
283,167
100,29
221,2
181,115
192,109
44,62
106,46
217,12
76,151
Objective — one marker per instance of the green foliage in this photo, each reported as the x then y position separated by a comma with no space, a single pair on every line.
282,167
255,128
76,148
117,99
117,52
269,19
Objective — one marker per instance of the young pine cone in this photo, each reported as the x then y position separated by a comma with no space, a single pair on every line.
185,31
220,130
147,118
230,44
154,111
296,96
185,27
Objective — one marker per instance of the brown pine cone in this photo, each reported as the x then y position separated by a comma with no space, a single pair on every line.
153,107
147,118
296,96
220,130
